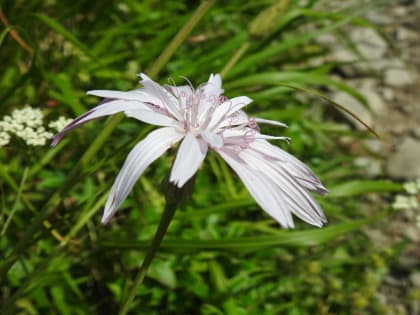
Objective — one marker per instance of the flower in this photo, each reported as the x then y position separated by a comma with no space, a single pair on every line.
27,124
204,118
60,123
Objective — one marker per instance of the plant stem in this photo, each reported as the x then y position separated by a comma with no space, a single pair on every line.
235,58
15,206
165,220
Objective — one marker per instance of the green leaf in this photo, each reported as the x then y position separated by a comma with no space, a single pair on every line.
360,187
248,244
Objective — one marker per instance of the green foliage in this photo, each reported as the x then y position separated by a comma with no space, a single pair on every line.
222,255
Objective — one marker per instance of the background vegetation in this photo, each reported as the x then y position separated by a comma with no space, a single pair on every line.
222,254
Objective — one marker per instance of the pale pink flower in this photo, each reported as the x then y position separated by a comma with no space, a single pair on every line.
204,118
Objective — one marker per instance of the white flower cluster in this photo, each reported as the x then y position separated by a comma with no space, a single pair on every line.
60,123
27,124
410,200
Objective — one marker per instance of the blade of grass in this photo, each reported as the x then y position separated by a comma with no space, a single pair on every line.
18,197
180,37
253,243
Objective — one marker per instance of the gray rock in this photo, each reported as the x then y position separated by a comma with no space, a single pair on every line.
378,238
372,166
343,55
415,279
404,34
398,77
413,234
404,163
385,63
354,106
369,43
327,39
416,131
378,18
374,146
389,94
376,103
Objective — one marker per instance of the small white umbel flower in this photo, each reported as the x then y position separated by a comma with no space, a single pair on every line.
204,118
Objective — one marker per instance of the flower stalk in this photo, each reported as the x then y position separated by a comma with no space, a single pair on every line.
174,197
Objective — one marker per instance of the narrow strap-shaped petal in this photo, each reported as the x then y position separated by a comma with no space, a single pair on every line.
213,139
141,156
270,122
235,119
294,166
261,188
191,154
209,94
152,117
292,193
228,108
166,99
109,107
213,87
134,95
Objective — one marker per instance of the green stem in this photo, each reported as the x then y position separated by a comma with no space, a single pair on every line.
235,58
180,37
166,219
15,206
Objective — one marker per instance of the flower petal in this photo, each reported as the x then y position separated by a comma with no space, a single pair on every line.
298,169
109,107
134,109
228,108
270,122
151,117
191,154
213,87
261,188
133,95
167,100
141,156
213,139
292,193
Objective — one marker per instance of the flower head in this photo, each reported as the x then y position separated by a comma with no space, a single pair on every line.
205,118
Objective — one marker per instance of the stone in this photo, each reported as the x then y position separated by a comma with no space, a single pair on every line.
388,94
378,238
398,77
404,34
404,163
375,101
371,166
415,279
374,146
327,39
385,63
369,43
416,131
378,18
355,107
412,233
343,55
